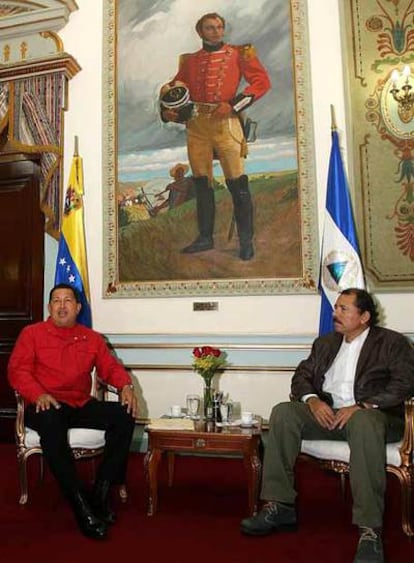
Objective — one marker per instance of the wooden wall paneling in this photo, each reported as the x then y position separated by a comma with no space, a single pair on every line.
21,266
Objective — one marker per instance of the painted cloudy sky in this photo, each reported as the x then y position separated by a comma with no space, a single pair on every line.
151,36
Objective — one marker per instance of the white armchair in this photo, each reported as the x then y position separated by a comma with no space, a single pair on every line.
334,455
86,443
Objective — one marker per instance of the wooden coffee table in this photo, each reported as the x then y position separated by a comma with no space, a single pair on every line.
205,438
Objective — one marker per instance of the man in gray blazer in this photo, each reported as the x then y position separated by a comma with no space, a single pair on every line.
352,387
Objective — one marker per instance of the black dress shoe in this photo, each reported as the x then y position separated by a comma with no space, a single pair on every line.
246,250
100,502
89,524
201,244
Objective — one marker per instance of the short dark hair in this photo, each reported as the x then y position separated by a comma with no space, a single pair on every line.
209,16
65,286
364,302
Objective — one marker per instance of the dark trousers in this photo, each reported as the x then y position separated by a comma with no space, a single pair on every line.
367,433
52,425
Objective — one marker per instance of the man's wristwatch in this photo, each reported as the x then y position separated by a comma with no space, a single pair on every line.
364,405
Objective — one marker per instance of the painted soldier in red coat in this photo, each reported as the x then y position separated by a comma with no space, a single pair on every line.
204,95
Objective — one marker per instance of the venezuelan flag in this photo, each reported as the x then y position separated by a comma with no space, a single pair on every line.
71,262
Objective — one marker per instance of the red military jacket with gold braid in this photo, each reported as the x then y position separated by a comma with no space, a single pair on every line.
214,77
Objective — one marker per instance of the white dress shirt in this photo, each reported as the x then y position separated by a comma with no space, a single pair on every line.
340,377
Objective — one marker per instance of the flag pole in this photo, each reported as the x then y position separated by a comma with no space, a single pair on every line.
333,121
76,155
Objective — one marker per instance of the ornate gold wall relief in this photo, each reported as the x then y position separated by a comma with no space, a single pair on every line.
380,60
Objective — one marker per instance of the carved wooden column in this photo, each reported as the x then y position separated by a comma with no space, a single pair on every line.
34,76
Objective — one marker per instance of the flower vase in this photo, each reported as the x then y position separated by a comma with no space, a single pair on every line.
208,402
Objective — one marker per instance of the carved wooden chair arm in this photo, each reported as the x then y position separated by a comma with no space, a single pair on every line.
407,446
19,427
103,390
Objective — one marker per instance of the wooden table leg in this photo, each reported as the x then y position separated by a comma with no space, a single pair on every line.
170,458
253,467
151,462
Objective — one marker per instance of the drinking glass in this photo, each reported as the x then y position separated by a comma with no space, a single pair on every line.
193,405
230,411
224,413
226,410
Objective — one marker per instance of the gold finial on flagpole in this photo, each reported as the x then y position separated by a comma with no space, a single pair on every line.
333,121
76,152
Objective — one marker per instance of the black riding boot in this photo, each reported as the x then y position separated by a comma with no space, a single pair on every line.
89,524
243,213
205,217
100,502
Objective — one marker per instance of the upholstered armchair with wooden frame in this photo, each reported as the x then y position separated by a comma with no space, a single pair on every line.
334,455
86,443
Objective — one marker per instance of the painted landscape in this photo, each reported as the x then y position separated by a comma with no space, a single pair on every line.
150,239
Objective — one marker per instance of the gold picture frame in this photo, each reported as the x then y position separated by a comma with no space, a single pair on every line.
137,236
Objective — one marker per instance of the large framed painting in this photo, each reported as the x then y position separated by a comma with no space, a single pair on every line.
208,180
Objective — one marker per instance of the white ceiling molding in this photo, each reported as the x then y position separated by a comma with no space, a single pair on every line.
25,17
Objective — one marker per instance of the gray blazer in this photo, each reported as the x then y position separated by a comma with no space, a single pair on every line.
384,373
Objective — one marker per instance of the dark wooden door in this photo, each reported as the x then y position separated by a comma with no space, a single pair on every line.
21,266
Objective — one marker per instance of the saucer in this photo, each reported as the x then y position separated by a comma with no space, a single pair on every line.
238,422
254,422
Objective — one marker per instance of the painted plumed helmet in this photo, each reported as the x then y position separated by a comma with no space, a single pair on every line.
174,95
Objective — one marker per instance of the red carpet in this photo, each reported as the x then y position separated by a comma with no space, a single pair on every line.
197,521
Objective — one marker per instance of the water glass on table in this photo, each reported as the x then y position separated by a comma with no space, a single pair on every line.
193,406
226,410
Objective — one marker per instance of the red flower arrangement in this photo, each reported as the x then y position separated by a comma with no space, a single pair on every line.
208,360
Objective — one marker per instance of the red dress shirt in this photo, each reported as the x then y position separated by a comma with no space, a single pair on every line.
59,361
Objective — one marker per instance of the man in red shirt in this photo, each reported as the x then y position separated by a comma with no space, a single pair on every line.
211,77
51,367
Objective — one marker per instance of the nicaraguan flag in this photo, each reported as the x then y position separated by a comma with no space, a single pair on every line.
71,263
340,261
